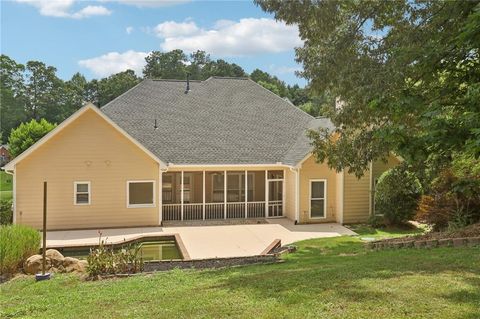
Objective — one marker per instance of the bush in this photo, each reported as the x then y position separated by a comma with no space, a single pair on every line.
17,243
108,261
453,200
27,134
6,212
396,195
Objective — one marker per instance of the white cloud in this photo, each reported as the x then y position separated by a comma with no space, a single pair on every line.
174,29
129,30
282,69
63,9
228,38
149,3
114,62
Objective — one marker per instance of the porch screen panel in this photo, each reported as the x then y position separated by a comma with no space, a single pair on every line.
256,186
192,195
256,194
193,187
171,200
171,188
214,183
236,186
214,195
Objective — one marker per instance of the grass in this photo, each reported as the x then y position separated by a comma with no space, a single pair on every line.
5,195
6,185
365,230
325,278
5,181
17,242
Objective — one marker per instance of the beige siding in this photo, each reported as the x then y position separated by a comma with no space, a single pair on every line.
290,191
312,170
89,149
358,193
379,166
356,200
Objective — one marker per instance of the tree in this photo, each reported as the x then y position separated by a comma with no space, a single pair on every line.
113,86
12,110
279,87
176,64
270,86
43,91
406,73
166,65
28,134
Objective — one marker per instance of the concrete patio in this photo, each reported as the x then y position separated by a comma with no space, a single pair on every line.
210,241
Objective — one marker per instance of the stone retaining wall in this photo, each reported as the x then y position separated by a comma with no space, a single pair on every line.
429,243
209,263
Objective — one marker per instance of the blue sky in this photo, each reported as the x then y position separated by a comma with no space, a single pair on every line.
98,38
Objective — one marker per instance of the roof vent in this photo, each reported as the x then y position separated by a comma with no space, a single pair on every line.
155,126
188,83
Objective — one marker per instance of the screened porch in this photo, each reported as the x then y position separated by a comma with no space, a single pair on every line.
208,195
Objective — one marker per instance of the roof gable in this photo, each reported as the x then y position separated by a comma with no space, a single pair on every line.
66,123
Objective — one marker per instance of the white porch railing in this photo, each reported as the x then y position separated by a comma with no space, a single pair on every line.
236,210
192,211
172,212
216,210
255,209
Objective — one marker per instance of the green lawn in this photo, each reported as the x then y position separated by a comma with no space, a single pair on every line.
326,278
6,185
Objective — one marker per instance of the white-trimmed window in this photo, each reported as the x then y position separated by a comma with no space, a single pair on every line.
81,193
140,193
318,198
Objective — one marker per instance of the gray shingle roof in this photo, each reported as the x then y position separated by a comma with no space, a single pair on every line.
219,121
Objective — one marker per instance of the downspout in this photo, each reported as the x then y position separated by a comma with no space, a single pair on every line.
370,202
14,193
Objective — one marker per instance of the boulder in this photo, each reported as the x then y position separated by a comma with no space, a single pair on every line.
55,256
81,266
33,265
71,264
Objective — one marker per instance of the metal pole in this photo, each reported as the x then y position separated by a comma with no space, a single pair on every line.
44,244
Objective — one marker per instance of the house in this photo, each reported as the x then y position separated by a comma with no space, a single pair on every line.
4,154
224,148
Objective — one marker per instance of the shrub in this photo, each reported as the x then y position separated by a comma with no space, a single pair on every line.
6,212
105,260
376,221
17,243
453,200
396,195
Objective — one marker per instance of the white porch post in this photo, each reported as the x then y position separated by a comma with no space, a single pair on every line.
203,201
181,195
266,193
246,194
160,193
224,194
283,191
